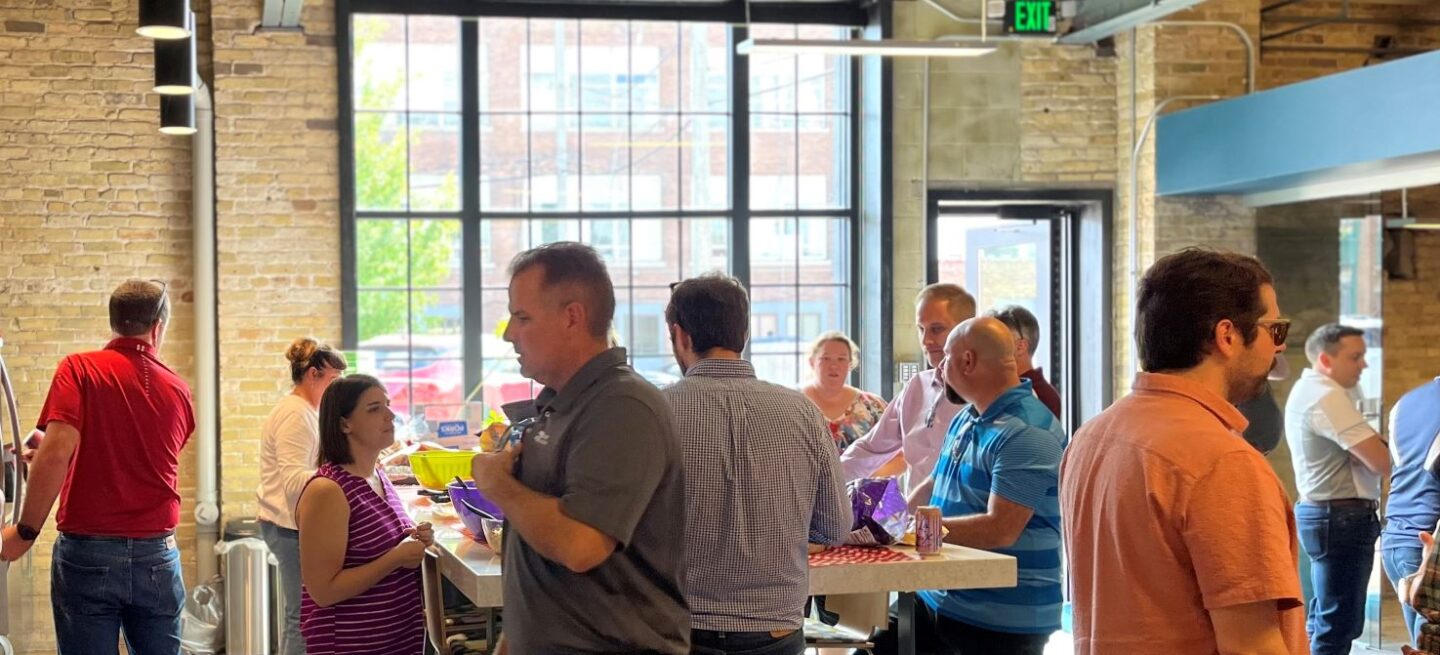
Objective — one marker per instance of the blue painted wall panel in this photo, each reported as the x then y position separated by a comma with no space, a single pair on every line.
1352,121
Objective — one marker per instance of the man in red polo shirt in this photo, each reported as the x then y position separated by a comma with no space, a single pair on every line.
115,421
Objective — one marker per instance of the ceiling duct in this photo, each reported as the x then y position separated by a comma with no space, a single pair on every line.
1097,19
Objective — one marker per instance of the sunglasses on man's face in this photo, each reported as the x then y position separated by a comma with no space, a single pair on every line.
164,298
1279,328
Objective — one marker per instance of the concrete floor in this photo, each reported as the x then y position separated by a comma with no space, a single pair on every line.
32,629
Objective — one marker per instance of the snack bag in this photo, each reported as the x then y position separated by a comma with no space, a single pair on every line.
492,436
880,513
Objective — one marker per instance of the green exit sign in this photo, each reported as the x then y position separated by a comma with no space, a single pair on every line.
1030,17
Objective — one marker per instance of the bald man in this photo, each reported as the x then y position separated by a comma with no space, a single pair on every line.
996,485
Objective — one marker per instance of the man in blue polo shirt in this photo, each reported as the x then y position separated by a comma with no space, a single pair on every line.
1414,503
997,486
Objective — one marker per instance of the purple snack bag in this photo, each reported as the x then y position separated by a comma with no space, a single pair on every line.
880,512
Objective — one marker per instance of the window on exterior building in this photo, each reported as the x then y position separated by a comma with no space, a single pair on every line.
618,133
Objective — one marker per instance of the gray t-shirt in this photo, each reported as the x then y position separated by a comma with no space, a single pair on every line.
606,446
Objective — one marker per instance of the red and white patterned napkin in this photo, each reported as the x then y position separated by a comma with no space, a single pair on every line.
859,555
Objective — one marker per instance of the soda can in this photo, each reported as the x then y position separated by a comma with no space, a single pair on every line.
927,530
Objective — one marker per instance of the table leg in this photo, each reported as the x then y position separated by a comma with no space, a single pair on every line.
905,623
490,629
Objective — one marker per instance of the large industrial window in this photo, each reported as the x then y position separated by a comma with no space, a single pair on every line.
474,139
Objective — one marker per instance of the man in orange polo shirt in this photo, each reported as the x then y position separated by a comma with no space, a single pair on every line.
1179,536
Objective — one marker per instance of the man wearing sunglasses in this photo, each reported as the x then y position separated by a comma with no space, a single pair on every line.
115,564
1178,534
1339,460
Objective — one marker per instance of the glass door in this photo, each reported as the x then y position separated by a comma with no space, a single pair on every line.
1011,256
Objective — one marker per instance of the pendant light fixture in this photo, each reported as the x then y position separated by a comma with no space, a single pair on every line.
165,19
177,115
862,47
175,63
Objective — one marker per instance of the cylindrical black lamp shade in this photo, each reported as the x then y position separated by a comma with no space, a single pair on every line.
177,115
165,19
175,66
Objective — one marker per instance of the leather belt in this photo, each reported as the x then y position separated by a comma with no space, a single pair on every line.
1347,503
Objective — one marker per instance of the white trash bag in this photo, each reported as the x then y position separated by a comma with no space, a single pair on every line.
202,622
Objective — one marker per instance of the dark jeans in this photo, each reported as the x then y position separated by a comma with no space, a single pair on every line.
102,585
1341,544
708,642
1398,562
937,635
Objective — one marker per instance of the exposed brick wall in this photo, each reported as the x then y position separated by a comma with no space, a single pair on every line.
93,194
1412,307
1172,61
277,179
1280,67
1068,115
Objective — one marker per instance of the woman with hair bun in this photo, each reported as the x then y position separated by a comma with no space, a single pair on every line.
289,443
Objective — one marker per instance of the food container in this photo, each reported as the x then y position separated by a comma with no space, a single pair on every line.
459,496
434,469
494,533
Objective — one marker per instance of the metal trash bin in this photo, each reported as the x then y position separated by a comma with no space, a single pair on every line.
246,565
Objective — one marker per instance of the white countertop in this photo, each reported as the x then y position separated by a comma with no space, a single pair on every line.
954,567
475,569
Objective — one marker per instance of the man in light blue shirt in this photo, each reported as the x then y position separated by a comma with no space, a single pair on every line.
1414,502
997,485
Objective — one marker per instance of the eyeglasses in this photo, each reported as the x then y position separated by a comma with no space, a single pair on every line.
164,299
1278,328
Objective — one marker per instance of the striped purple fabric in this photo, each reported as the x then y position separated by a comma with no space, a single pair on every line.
389,617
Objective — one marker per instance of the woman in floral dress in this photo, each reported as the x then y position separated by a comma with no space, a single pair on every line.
850,412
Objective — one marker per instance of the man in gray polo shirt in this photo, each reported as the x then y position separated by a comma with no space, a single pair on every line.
762,479
1338,460
595,506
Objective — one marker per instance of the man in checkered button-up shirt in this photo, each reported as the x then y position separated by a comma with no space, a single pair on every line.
762,480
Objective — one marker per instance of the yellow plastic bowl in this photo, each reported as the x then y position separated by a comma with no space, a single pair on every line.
436,468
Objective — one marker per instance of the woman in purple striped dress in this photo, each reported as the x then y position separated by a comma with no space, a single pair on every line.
359,552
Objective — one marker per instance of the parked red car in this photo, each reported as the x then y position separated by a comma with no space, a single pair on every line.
428,370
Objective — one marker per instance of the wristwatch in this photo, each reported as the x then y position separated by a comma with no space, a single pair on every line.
26,532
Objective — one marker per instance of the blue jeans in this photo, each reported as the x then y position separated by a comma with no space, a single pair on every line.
937,634
1341,544
284,543
102,585
1400,561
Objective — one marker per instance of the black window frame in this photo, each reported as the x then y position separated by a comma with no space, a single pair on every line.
735,13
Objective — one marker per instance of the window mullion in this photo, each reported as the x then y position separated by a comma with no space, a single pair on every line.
472,298
739,158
